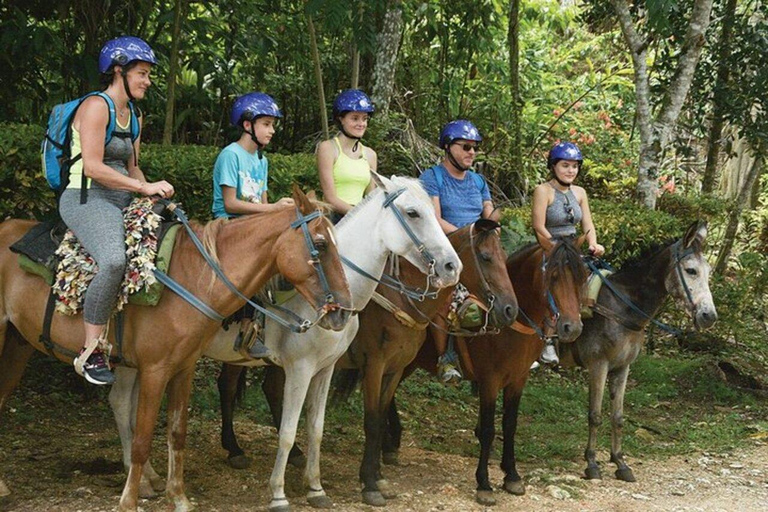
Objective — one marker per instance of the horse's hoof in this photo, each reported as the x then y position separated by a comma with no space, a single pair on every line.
390,459
298,461
625,474
516,487
485,498
157,483
279,506
4,490
374,498
386,490
146,491
321,501
239,462
183,505
593,473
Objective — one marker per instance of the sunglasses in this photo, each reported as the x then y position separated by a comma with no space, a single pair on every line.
468,147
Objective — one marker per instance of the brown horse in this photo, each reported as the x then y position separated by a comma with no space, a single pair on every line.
543,283
165,341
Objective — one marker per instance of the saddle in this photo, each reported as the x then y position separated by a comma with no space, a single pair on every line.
37,253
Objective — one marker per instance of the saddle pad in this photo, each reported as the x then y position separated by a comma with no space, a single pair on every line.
148,297
594,283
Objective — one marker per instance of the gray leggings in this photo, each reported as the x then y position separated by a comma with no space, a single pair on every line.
98,225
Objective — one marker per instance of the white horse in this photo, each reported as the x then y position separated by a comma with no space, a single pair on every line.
366,237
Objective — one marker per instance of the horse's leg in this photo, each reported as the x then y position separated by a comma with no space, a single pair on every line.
393,433
151,387
179,389
388,388
485,431
317,398
597,375
122,398
513,484
15,355
618,385
373,373
272,386
297,380
228,387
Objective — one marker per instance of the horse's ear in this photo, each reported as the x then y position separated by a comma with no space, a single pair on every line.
302,201
482,225
697,232
580,241
377,179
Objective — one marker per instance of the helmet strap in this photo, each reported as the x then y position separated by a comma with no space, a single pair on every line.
125,85
453,160
561,182
356,139
259,145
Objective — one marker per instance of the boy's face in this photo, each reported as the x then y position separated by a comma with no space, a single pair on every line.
263,128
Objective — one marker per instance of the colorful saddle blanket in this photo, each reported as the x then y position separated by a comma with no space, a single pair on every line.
53,253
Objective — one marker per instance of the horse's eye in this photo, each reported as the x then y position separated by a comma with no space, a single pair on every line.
691,271
321,243
412,213
486,256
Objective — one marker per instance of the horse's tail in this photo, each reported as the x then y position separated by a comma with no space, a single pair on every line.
240,391
344,383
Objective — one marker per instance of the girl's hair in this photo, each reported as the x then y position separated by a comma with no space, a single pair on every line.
107,78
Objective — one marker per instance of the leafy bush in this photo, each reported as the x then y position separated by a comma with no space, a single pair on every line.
24,193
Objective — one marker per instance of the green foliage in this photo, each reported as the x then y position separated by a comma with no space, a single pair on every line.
24,192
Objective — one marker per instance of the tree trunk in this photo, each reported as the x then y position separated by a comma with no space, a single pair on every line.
318,76
179,11
387,47
516,158
718,101
655,134
734,215
738,167
355,82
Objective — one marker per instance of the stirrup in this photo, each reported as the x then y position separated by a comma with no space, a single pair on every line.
90,348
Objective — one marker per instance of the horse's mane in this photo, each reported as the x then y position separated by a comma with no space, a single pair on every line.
413,185
650,251
565,257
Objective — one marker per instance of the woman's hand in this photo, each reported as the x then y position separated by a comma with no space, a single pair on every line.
158,188
596,250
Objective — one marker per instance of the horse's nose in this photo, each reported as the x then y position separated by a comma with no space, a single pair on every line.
450,267
707,318
569,331
510,313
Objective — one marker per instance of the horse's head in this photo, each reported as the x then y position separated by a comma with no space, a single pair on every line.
307,256
687,278
564,278
408,227
485,271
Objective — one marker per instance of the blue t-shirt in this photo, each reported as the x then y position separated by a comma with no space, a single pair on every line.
237,168
461,201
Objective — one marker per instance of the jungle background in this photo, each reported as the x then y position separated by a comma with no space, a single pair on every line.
666,99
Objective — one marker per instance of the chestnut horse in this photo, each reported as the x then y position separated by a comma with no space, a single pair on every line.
548,286
165,341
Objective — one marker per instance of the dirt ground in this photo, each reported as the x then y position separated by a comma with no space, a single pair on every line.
53,464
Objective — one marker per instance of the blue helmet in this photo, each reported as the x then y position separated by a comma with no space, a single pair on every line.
564,151
255,104
458,129
352,100
124,50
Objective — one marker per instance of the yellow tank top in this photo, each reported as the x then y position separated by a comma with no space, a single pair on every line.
350,176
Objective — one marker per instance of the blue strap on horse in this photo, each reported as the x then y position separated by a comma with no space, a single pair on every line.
301,325
391,282
631,305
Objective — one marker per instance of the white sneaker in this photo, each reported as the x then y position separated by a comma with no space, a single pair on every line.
549,355
535,365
